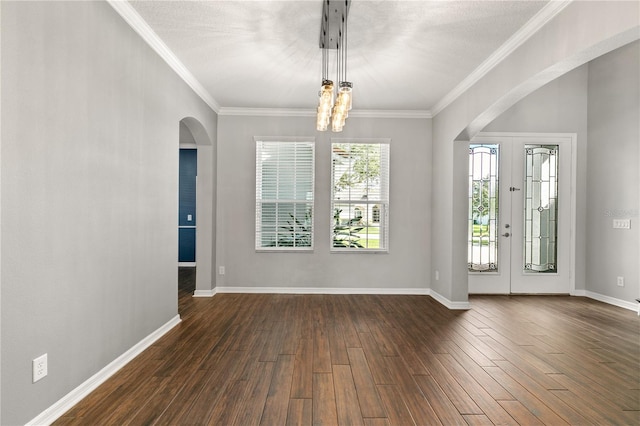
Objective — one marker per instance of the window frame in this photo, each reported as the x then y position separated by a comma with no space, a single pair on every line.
382,203
258,231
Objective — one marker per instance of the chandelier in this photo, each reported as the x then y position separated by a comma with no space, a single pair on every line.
333,36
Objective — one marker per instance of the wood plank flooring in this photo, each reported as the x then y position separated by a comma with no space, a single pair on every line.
258,359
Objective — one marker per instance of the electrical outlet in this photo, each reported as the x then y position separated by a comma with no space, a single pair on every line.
437,275
221,270
620,281
39,367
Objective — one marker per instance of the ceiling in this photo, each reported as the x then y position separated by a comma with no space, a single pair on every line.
402,55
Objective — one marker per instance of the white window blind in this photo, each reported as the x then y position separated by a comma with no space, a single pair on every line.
360,196
284,195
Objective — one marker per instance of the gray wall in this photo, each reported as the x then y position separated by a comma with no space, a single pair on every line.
407,263
613,178
558,107
89,185
89,195
600,102
581,32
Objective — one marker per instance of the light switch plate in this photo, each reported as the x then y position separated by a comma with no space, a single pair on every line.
622,223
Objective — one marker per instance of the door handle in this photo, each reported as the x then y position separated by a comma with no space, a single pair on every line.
506,234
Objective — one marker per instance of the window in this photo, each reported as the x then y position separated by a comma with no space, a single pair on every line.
284,194
541,208
483,223
360,196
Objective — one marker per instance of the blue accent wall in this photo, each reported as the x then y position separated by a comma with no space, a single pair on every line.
187,245
187,205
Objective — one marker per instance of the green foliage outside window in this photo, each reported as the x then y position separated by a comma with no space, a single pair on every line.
345,233
297,232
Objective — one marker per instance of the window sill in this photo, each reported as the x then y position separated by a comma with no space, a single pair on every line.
284,250
368,251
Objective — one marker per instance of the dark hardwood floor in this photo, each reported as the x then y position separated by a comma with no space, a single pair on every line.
249,359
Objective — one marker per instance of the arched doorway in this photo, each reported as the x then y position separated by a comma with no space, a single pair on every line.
199,225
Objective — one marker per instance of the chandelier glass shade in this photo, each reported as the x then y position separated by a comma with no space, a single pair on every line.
325,105
333,36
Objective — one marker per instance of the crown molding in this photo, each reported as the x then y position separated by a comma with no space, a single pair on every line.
299,112
540,19
388,113
268,112
139,25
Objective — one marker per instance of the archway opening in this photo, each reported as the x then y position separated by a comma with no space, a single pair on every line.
195,208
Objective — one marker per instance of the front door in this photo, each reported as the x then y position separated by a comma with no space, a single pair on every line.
520,214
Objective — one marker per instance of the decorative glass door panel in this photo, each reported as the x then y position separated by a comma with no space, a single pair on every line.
540,208
483,208
520,213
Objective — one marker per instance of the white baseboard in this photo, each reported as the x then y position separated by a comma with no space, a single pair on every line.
205,293
54,412
632,306
187,264
448,303
323,290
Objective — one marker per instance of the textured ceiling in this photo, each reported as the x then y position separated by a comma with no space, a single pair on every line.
403,55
